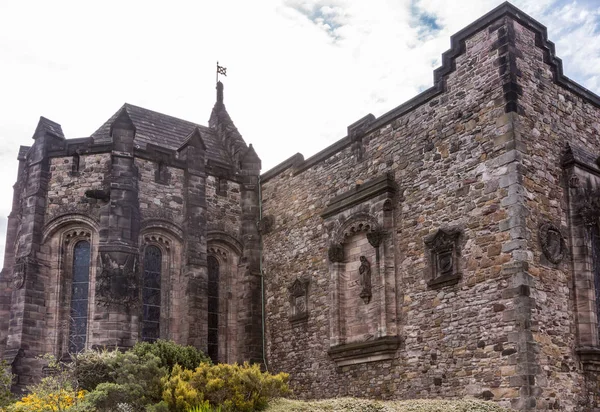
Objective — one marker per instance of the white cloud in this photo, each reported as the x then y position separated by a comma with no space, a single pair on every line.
299,71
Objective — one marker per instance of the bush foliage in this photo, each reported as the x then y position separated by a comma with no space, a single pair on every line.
157,377
232,387
171,354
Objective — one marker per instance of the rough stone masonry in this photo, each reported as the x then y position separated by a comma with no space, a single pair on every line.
449,248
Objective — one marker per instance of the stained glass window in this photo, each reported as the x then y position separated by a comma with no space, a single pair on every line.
213,309
151,294
79,296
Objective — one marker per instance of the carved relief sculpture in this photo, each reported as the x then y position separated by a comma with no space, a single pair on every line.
117,283
299,300
365,279
443,247
19,272
552,243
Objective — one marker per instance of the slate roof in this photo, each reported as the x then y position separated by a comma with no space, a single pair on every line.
165,131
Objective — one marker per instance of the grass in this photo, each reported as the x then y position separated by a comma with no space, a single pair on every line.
364,405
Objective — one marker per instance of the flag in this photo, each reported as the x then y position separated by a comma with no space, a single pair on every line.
221,70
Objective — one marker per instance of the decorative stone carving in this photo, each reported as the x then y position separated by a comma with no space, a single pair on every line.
552,242
299,300
574,181
443,247
19,273
117,283
336,253
388,206
265,225
365,279
375,238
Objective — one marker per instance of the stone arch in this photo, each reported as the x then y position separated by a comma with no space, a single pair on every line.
228,253
59,238
165,237
359,222
71,219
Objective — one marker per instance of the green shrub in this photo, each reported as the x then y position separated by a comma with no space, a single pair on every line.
93,367
233,387
171,354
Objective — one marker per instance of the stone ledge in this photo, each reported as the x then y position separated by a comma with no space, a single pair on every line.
363,352
301,318
361,193
442,281
589,357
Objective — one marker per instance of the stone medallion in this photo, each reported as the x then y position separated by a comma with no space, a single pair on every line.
552,243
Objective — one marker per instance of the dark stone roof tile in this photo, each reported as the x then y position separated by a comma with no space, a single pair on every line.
165,131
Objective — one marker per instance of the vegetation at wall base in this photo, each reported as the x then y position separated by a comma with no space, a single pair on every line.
364,405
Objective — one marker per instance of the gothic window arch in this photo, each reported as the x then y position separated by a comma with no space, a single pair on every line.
74,293
159,265
225,294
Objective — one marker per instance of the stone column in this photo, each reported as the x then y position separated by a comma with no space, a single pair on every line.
250,308
195,274
12,231
116,320
27,308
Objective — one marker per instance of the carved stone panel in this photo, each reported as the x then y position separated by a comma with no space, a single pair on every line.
299,300
552,242
117,283
444,251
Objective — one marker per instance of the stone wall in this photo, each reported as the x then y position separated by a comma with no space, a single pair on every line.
224,206
552,116
499,159
160,199
66,187
448,161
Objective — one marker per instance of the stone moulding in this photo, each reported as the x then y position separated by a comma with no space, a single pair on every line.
368,190
364,352
589,357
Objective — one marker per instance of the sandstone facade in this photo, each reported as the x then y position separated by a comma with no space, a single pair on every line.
132,234
475,206
449,248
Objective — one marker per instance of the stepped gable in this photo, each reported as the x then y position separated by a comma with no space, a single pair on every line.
165,131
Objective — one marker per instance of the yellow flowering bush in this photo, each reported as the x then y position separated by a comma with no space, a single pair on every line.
61,400
242,388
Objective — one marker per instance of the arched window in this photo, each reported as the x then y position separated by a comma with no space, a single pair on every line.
79,296
151,294
213,308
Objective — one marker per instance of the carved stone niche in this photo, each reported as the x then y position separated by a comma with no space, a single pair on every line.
444,256
582,175
299,300
363,308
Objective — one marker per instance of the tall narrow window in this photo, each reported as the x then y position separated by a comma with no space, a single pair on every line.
79,296
595,236
213,309
151,294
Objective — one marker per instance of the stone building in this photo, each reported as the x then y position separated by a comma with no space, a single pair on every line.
449,248
145,229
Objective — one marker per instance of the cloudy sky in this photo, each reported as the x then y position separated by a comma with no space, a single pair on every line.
299,71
